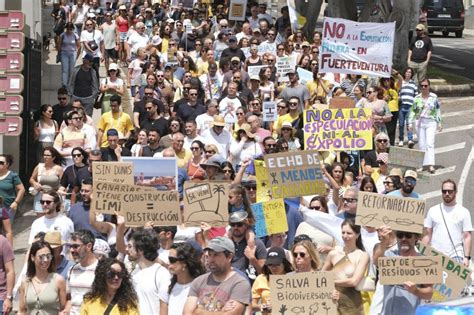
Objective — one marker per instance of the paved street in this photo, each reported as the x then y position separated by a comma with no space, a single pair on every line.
455,55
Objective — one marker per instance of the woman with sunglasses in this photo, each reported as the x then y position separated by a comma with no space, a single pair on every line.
240,114
391,183
46,129
72,136
187,63
111,85
185,266
228,170
275,264
210,150
78,169
426,111
194,170
380,112
287,132
111,290
349,265
42,291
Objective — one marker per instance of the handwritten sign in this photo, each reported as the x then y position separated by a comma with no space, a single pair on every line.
255,70
285,65
400,213
341,102
263,191
338,129
237,10
303,293
355,47
267,48
294,174
137,204
270,217
206,201
304,75
455,276
269,110
115,172
405,158
417,269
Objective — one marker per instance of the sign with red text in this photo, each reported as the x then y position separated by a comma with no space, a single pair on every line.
358,48
338,129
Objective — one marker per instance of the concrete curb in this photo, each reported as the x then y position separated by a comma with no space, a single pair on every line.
453,90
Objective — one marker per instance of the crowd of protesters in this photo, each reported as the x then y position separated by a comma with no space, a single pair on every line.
186,69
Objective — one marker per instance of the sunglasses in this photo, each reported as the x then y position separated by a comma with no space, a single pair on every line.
238,224
46,202
447,191
173,260
301,254
239,114
410,181
251,187
382,140
424,85
381,163
227,171
210,152
404,235
293,103
349,200
76,155
2,162
113,274
281,107
315,208
194,148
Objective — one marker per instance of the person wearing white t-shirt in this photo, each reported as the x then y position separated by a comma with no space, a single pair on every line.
204,121
448,226
150,279
137,39
92,42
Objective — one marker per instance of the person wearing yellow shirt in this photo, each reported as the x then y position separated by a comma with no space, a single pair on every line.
183,155
115,119
204,64
318,87
293,114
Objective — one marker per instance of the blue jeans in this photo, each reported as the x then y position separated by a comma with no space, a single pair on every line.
1,307
402,119
68,60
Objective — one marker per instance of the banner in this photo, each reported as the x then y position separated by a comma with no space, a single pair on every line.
297,20
270,217
269,111
338,129
206,201
400,213
455,276
137,204
294,174
341,102
267,48
405,158
115,172
416,269
356,47
303,293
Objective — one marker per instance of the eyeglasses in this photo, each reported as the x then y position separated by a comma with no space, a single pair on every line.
76,155
301,254
148,108
239,114
349,200
173,260
387,183
410,181
45,257
75,246
193,94
113,274
250,187
238,224
404,235
160,75
270,60
227,171
382,140
194,148
175,125
46,202
293,103
315,208
424,85
2,162
447,191
62,98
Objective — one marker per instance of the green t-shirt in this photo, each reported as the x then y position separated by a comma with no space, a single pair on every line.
7,188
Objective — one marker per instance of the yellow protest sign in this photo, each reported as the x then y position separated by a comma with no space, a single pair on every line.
338,129
270,217
263,189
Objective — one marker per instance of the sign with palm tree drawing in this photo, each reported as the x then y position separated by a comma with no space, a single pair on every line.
206,201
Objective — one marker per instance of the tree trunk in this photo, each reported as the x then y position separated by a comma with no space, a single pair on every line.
309,9
345,9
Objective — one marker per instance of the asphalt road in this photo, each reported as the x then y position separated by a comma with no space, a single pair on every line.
454,55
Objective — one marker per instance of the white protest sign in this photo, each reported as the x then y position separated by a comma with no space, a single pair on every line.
267,48
237,10
255,70
305,75
270,111
285,65
358,48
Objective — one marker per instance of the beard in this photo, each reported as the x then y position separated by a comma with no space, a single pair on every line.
407,189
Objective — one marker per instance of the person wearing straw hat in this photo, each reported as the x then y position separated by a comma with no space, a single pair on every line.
287,132
218,135
61,262
244,146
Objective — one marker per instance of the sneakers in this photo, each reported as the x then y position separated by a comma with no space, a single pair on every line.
432,170
411,144
400,144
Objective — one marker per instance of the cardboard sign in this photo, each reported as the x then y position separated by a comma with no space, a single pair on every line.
303,293
269,111
137,204
294,174
270,217
285,65
341,102
267,48
400,213
255,70
405,158
237,10
417,269
305,75
357,48
206,201
455,276
263,191
113,172
338,129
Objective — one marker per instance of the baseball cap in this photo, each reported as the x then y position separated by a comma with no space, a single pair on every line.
411,173
237,59
112,132
221,244
420,27
382,157
238,216
88,57
113,66
275,256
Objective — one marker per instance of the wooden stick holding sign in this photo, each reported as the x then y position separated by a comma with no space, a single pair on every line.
115,172
416,269
303,293
400,213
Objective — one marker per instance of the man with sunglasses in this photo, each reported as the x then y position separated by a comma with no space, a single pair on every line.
62,107
448,226
218,135
400,299
154,120
408,185
296,89
192,108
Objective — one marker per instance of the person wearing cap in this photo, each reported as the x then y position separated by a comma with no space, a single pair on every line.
84,84
110,32
419,53
233,50
369,160
115,119
63,265
275,264
212,167
234,289
295,88
122,27
235,66
408,185
218,136
111,85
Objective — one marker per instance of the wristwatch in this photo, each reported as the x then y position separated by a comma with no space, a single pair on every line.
467,257
9,297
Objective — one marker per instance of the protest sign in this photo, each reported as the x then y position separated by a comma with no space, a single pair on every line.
237,10
400,213
305,75
206,201
270,217
355,47
267,48
405,158
114,172
255,70
269,110
137,204
263,191
285,65
338,129
303,293
341,102
416,269
160,173
455,276
294,174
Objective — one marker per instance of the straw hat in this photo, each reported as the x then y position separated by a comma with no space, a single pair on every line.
54,239
246,127
218,121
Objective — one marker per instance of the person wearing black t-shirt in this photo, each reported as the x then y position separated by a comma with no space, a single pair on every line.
62,107
419,53
154,121
192,108
153,144
114,152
